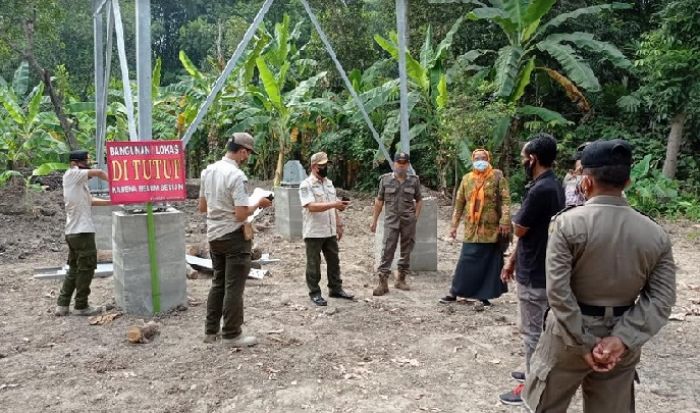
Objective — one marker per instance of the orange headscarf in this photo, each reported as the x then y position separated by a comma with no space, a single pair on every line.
478,178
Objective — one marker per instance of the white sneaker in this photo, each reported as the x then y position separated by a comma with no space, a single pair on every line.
240,341
61,310
90,311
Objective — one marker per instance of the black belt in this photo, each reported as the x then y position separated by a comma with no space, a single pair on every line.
598,311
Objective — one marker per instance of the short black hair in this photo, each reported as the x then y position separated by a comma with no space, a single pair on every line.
544,146
232,146
612,176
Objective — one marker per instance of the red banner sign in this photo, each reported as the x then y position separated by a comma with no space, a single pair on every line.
146,171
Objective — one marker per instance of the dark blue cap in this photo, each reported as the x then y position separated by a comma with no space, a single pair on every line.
402,156
607,153
78,156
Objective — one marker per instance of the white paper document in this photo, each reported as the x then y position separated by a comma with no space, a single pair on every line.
254,198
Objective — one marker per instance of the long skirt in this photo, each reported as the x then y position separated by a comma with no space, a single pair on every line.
478,272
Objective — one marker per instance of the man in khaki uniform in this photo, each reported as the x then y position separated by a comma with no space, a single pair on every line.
400,192
322,229
80,235
611,283
223,197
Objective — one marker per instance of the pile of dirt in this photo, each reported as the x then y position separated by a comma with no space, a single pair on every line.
32,223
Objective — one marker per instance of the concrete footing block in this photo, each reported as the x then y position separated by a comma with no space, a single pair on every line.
132,270
288,216
102,218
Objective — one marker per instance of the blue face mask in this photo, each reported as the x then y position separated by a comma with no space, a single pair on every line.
480,165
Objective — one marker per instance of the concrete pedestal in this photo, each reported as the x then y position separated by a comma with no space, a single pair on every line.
288,216
132,271
424,255
102,218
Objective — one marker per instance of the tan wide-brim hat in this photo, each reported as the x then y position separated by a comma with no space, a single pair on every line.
319,158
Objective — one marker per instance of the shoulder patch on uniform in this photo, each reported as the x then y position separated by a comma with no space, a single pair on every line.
568,208
646,215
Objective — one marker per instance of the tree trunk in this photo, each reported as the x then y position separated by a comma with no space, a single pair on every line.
213,140
57,103
506,159
280,165
45,76
280,132
674,145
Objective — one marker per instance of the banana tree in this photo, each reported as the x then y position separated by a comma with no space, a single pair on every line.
427,74
25,131
529,41
427,98
280,100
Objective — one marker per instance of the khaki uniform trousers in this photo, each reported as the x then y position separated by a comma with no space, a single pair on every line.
230,257
406,233
557,371
82,261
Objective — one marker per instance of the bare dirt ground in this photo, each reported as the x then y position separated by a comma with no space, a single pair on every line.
400,353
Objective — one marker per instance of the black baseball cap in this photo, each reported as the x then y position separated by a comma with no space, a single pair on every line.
579,151
78,156
402,156
607,153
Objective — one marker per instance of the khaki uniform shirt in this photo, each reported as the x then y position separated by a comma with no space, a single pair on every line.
317,224
223,185
78,201
399,198
605,253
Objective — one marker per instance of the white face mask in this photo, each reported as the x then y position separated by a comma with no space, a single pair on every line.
480,165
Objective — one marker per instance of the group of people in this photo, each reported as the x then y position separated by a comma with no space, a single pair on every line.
595,278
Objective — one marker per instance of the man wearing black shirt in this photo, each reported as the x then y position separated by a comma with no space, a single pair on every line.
544,198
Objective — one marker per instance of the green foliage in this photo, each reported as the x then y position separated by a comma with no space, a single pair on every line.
50,167
656,195
429,96
28,136
7,175
503,71
529,49
520,22
668,63
469,122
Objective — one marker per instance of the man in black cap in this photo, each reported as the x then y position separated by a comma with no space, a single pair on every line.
611,283
223,197
80,235
400,191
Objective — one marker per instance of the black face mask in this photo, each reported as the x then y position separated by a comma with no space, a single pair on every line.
528,170
323,171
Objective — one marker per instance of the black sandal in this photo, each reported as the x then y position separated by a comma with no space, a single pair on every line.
448,299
